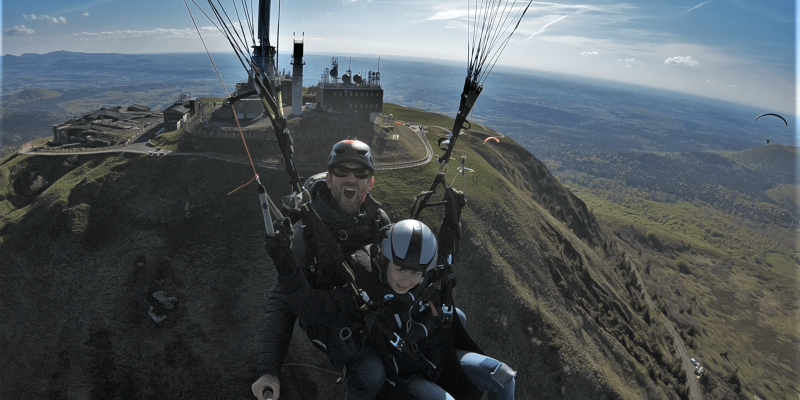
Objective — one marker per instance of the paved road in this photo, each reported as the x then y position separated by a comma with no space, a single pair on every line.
680,350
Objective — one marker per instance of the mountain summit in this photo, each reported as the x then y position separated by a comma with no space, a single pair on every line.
133,276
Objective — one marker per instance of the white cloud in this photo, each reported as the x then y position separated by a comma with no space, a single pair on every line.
699,5
18,30
680,60
589,53
52,20
630,60
154,33
447,14
85,13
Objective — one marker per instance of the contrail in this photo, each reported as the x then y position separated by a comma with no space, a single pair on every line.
550,23
699,5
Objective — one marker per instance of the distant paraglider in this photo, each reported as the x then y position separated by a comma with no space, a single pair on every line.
774,115
490,138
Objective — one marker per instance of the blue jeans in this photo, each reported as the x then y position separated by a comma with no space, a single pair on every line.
488,374
363,368
365,376
423,389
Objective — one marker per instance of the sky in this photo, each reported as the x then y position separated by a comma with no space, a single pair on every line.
742,51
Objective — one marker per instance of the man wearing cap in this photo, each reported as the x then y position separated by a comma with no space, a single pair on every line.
354,218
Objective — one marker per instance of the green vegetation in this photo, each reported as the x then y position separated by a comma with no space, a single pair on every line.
782,264
697,224
783,193
727,283
721,280
169,140
28,95
683,266
425,118
407,147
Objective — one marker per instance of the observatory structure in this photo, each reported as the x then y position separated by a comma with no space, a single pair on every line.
355,94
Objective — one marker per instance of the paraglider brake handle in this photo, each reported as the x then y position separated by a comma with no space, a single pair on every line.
267,393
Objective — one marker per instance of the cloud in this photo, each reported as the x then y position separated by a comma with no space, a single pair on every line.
153,33
541,30
699,5
52,20
680,60
85,13
630,59
447,15
18,30
589,53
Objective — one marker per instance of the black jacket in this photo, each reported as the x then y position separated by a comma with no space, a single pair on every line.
357,233
430,346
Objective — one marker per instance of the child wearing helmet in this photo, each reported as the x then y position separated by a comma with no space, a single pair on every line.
422,356
426,358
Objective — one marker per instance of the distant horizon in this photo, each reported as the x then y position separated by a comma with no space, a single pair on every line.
730,50
794,113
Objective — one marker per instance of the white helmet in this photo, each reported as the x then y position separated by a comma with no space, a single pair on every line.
410,244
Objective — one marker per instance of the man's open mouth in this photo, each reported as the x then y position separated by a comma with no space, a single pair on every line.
349,193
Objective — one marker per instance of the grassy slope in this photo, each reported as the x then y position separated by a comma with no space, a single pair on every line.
538,294
501,231
742,282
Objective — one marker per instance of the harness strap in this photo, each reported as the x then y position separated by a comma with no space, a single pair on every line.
410,349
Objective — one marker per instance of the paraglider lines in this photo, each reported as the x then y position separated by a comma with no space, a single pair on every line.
490,30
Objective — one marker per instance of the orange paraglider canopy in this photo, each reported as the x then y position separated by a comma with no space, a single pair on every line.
490,138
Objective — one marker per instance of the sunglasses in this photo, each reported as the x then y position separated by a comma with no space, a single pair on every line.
340,171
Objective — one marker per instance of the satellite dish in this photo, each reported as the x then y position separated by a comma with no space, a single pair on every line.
357,79
335,72
346,79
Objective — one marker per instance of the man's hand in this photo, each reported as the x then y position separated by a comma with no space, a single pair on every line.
279,246
264,382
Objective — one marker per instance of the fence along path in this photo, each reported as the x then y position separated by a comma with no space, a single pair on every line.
278,165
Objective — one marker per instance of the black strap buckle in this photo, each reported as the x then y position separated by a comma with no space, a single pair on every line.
398,342
447,315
